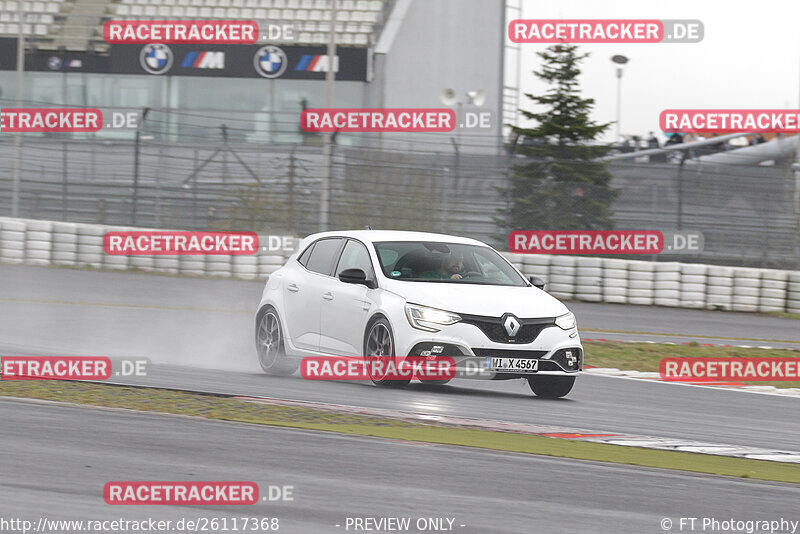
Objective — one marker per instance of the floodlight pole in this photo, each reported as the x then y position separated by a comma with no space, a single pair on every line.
327,138
619,98
137,139
619,60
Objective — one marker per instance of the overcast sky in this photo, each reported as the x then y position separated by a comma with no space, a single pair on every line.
749,58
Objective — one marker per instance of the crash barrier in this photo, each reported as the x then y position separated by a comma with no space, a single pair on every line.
591,279
673,284
37,242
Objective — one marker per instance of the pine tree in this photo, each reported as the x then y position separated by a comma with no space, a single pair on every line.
560,185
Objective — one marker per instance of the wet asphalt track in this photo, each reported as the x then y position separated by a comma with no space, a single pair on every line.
198,334
58,471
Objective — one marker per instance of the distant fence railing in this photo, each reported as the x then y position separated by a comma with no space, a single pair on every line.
749,214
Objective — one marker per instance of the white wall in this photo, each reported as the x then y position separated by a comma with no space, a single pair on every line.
440,44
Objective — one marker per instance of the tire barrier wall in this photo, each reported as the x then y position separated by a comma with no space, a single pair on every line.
672,284
590,279
36,242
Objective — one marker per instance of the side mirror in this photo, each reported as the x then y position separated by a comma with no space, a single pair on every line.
537,282
356,276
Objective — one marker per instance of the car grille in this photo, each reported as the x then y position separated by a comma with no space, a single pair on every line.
493,328
509,353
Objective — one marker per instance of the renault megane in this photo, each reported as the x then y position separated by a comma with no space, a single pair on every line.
391,294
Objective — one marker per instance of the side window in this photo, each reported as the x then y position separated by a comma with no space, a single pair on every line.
355,256
322,256
303,259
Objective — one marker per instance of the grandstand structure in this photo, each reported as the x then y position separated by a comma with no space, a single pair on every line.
39,18
389,54
76,25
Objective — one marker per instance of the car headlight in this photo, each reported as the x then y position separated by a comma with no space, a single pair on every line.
422,317
566,321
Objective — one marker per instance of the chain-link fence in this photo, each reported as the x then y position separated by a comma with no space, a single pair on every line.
747,213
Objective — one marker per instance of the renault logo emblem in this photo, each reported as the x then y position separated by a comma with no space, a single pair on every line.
511,324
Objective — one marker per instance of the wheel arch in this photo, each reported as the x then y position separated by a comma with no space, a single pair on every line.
374,317
262,310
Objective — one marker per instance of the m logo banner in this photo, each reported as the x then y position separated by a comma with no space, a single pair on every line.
316,63
204,60
214,61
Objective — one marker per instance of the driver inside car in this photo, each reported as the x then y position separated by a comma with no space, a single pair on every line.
452,266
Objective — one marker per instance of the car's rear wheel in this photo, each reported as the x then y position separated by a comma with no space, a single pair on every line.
269,344
380,354
551,387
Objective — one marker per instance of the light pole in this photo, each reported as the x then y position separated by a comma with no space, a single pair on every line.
20,85
449,97
327,138
619,60
135,207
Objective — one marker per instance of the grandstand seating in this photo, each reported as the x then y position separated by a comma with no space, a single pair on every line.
355,19
355,25
39,15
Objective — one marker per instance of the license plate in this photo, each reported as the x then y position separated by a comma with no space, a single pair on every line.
517,365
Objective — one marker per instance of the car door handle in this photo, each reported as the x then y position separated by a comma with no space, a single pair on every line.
327,296
293,288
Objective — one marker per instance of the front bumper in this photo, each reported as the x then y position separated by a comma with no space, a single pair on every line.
471,349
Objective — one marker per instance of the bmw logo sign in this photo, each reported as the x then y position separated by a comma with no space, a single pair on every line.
54,63
270,61
156,58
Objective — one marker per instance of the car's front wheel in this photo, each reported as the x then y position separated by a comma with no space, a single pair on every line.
270,347
551,387
379,353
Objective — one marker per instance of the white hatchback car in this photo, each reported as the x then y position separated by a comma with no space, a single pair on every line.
375,293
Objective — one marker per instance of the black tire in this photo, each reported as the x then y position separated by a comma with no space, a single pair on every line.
379,344
269,345
551,387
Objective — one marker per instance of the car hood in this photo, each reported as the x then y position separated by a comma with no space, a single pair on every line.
473,299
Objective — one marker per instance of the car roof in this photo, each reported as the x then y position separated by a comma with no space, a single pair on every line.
376,236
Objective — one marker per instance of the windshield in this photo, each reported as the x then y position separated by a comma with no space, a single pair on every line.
445,262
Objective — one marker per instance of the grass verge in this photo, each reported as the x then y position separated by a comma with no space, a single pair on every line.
228,409
646,356
782,315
